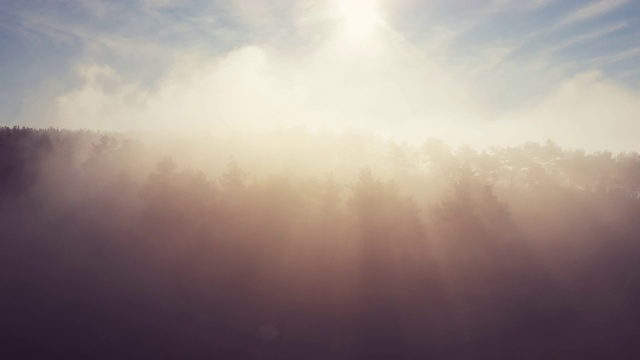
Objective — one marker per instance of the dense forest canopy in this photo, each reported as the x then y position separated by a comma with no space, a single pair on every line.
298,244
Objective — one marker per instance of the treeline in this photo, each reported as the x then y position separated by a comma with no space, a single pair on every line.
314,245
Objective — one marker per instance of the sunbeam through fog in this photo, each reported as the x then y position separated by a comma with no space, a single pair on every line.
319,179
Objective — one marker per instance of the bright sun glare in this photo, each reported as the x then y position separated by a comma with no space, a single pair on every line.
360,17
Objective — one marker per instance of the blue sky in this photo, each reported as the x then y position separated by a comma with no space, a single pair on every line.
477,71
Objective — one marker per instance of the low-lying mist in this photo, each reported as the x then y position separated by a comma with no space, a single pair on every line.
292,244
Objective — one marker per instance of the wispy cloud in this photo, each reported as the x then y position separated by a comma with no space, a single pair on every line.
590,36
537,4
613,58
511,6
591,11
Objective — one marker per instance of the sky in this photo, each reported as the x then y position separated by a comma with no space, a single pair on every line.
482,72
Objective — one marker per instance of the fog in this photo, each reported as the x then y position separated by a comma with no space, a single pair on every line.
351,73
314,244
339,179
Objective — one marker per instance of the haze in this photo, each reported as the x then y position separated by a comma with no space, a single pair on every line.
477,72
339,179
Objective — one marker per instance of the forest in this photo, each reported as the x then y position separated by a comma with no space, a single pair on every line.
298,244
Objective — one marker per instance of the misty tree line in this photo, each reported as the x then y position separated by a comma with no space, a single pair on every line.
114,248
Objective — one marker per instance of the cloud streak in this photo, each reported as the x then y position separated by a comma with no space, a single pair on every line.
587,37
592,11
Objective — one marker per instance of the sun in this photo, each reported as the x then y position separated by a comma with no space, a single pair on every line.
359,17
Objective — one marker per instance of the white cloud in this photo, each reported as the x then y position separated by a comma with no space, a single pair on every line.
387,86
587,111
381,84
